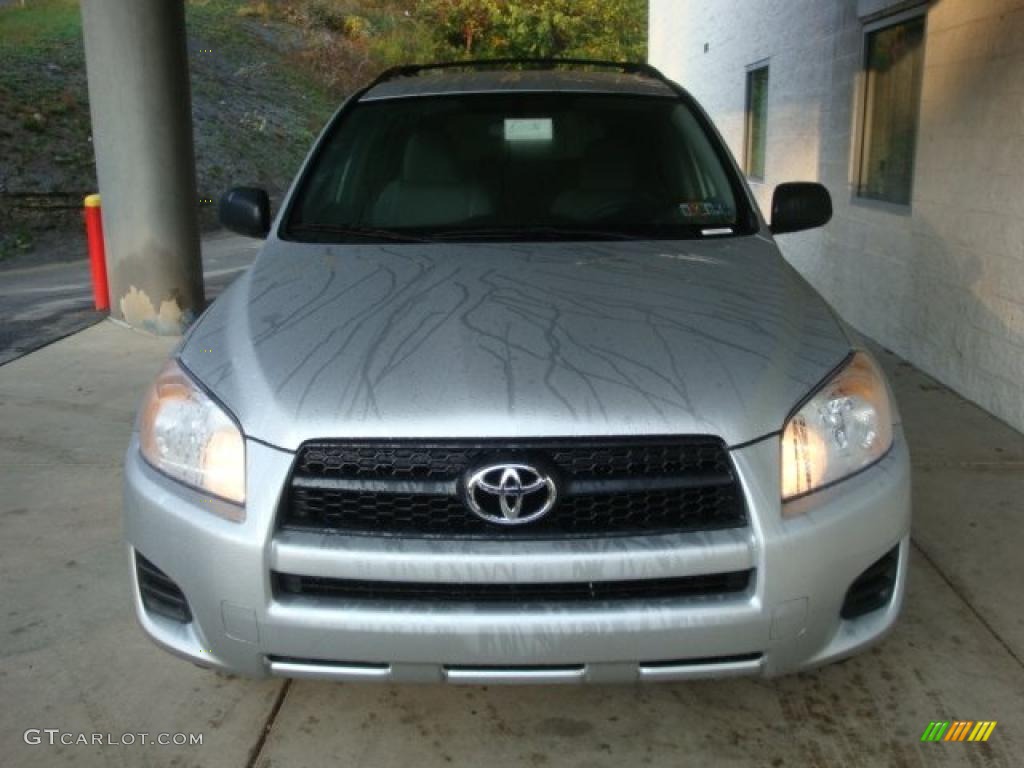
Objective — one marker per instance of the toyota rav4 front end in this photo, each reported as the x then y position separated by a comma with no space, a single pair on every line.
519,389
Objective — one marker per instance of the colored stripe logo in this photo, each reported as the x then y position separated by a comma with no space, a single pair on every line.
958,730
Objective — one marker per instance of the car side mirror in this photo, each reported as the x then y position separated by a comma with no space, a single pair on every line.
800,205
246,210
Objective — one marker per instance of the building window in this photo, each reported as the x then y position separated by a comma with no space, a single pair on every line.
893,71
757,123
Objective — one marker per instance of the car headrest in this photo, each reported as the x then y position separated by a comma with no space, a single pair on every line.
428,159
608,165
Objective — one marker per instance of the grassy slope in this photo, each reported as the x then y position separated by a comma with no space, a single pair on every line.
255,112
254,109
44,111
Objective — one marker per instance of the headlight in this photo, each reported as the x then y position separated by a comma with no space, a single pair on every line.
843,428
186,435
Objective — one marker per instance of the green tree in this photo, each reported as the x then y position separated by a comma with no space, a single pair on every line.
605,29
461,25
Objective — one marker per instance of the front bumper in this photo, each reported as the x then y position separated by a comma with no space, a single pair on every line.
787,620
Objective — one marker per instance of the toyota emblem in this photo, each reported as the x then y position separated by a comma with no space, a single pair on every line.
510,494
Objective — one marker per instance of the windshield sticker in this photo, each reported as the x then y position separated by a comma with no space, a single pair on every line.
529,129
704,210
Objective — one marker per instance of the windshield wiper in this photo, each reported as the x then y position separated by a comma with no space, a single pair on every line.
523,234
362,232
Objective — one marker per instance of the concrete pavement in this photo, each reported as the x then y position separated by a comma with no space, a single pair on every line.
72,658
39,305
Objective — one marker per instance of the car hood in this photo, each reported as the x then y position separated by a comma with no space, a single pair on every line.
716,337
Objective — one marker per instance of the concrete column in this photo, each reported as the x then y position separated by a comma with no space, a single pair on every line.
137,62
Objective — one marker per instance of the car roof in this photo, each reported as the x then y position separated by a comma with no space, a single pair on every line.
445,82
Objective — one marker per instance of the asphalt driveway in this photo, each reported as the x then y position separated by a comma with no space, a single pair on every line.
72,658
39,305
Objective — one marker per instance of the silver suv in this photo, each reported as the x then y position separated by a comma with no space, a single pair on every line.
519,389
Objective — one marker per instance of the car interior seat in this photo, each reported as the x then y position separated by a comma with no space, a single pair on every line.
430,190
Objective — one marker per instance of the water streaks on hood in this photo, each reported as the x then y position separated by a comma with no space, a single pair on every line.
502,340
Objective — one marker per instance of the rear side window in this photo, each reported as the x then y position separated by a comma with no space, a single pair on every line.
518,166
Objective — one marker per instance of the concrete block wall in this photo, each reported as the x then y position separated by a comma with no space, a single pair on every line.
940,283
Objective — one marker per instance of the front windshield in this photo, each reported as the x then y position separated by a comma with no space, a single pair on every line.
517,167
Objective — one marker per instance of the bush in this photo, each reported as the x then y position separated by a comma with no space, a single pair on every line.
324,14
347,41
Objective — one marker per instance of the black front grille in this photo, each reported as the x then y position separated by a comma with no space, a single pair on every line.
873,589
448,460
585,591
160,595
607,487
